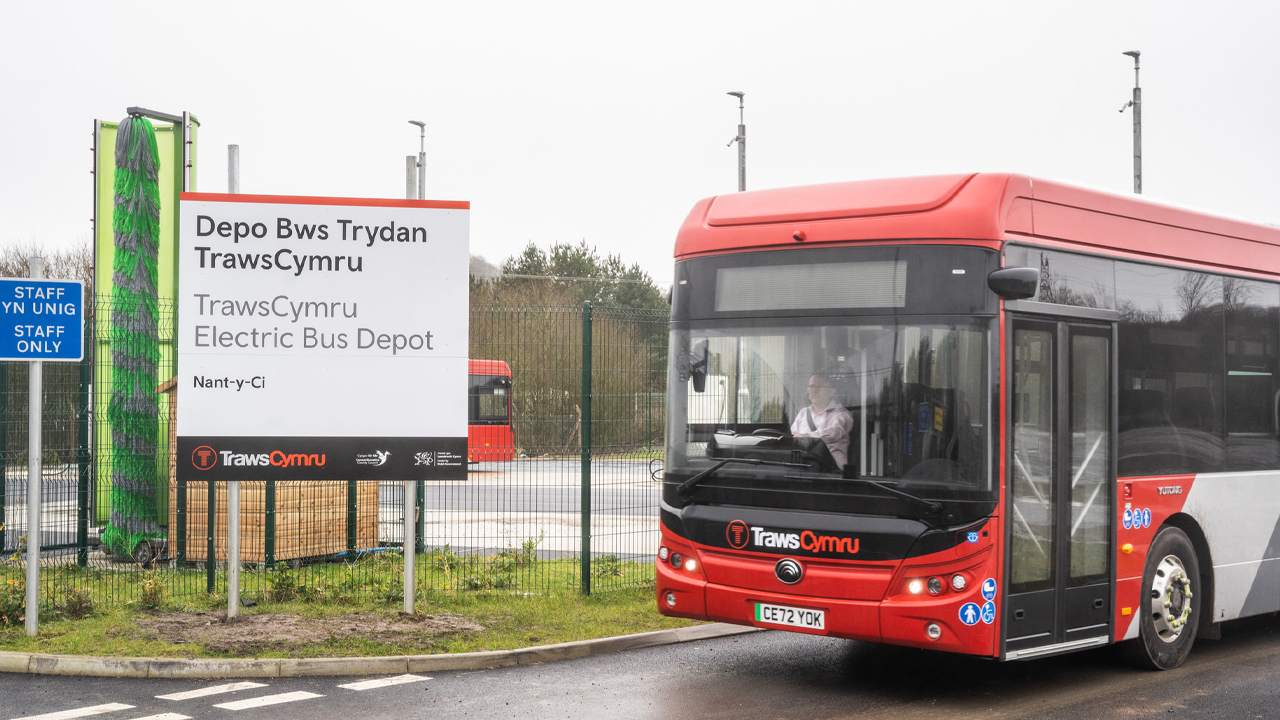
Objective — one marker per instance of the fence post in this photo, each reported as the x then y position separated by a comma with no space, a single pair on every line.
410,557
211,527
584,435
351,520
648,421
269,533
82,454
181,555
419,503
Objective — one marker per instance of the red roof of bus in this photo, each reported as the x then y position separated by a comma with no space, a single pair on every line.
991,207
488,367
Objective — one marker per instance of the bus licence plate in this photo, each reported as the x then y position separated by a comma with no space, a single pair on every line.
790,616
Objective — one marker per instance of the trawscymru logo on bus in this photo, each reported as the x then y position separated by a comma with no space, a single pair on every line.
740,535
205,457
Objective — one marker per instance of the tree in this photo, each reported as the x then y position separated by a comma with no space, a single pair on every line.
74,263
481,271
583,274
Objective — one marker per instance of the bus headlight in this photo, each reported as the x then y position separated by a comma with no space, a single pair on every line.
958,582
935,585
915,586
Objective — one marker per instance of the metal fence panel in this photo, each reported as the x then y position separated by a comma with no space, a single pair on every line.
514,524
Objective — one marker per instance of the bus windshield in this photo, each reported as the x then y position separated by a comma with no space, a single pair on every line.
805,410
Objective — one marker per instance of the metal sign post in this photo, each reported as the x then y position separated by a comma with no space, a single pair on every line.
233,548
39,320
35,474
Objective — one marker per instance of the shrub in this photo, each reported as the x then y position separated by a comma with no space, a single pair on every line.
71,602
13,602
150,590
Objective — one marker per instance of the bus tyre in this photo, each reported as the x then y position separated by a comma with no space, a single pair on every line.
1168,613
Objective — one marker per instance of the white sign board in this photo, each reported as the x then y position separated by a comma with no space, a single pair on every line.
322,338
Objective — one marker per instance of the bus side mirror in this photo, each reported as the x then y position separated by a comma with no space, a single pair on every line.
698,368
1015,283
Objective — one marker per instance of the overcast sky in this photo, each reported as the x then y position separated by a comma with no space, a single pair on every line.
601,121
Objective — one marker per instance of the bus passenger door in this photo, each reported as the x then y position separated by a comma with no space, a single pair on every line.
1060,487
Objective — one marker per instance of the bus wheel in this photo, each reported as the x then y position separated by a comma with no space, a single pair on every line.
1168,615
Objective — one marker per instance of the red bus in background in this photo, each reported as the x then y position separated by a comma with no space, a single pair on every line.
977,413
489,437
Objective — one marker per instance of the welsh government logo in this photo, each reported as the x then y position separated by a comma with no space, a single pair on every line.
424,458
204,457
738,534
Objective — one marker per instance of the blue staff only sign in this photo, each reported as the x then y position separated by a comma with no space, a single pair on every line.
41,319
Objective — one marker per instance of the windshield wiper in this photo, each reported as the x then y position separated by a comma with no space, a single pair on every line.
688,485
932,509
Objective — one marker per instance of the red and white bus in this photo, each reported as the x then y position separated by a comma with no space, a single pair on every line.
1062,410
489,437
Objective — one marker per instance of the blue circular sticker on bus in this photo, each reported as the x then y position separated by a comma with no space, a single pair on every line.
989,612
989,589
1128,519
970,613
1146,517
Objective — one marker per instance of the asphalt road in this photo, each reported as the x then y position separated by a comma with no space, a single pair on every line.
765,675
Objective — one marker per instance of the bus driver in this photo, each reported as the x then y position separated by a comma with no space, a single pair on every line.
825,419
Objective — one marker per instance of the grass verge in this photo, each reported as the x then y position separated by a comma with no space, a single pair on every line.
335,610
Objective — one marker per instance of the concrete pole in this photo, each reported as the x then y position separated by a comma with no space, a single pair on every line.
422,173
233,169
35,470
741,139
410,508
410,178
1137,131
742,157
1136,104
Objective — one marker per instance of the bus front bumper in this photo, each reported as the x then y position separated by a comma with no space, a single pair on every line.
894,621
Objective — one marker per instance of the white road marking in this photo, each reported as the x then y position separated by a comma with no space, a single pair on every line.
78,713
215,690
267,700
165,716
383,682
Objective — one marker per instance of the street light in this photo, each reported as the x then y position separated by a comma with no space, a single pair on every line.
741,139
422,158
1136,104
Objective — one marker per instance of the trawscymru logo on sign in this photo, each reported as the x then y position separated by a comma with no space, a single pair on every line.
740,535
205,457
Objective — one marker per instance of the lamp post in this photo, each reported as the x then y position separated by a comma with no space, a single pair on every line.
422,158
1136,104
741,139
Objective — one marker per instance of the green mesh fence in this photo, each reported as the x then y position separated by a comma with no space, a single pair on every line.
514,525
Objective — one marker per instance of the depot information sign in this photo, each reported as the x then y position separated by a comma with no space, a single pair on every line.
321,338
